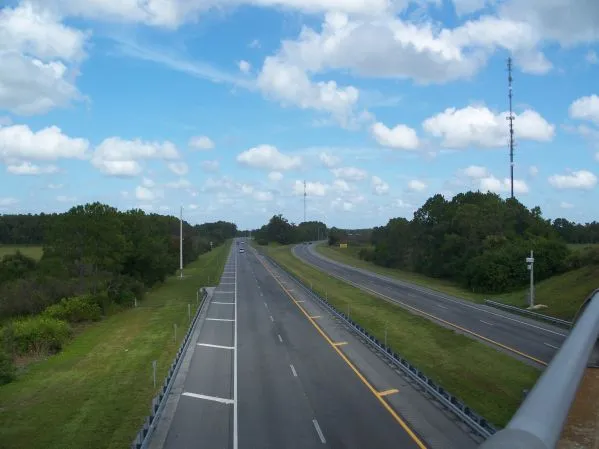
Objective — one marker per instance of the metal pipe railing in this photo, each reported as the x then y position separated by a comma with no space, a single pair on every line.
539,421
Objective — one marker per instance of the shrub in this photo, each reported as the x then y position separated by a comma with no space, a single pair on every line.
75,309
15,266
39,334
124,289
8,372
366,254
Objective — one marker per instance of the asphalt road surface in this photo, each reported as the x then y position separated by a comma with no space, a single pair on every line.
523,338
261,374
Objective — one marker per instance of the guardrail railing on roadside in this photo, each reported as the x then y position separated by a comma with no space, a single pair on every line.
476,422
539,421
530,313
158,402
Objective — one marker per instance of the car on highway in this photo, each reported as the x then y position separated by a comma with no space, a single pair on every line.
241,250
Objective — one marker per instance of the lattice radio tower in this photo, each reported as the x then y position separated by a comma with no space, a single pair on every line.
511,119
304,201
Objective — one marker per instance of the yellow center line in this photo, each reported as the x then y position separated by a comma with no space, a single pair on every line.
441,320
393,413
388,392
340,343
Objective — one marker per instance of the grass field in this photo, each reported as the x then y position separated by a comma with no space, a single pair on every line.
32,251
562,294
582,246
489,381
97,391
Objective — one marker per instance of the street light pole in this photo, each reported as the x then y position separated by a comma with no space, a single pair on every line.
531,261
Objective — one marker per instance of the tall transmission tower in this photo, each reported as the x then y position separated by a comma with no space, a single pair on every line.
181,243
511,118
305,201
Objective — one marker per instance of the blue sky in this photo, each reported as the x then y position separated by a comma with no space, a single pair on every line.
227,106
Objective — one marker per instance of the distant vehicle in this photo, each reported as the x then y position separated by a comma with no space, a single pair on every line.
241,250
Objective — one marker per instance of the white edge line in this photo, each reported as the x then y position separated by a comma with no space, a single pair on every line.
220,302
551,346
235,436
486,322
293,371
319,432
220,319
223,292
209,398
272,319
208,345
280,338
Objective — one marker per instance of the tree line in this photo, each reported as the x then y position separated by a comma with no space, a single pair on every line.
95,258
280,230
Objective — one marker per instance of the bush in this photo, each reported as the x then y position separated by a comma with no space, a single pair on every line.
75,309
15,266
38,334
8,371
124,289
366,254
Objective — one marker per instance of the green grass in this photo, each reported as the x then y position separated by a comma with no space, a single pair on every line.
96,393
33,251
582,246
489,381
562,294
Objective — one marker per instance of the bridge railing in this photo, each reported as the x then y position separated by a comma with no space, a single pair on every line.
539,421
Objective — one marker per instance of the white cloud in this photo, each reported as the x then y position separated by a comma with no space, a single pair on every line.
210,166
178,168
262,196
379,187
65,199
463,7
586,108
340,185
493,184
268,157
20,142
8,201
275,176
566,205
476,171
147,182
36,50
201,143
144,194
478,126
329,160
582,179
416,185
119,157
179,184
312,188
533,170
400,137
27,168
350,173
591,57
244,66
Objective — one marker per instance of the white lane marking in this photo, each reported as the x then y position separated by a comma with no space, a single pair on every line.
208,345
220,302
219,319
293,370
227,283
280,338
272,319
209,398
551,346
223,292
441,305
486,322
235,437
319,432
266,305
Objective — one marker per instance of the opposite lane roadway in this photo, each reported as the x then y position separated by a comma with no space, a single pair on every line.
524,338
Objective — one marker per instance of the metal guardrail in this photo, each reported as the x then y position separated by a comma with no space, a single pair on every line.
159,401
539,421
476,422
530,313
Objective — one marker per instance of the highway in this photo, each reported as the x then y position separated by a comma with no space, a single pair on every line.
524,338
268,369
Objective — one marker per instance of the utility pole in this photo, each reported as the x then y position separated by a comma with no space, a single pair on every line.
531,267
511,118
304,201
181,242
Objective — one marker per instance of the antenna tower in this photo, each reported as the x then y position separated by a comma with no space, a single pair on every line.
511,118
304,201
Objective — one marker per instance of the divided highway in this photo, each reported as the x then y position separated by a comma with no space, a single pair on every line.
267,369
527,339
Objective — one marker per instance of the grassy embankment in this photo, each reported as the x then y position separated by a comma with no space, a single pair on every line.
33,251
489,381
562,294
97,391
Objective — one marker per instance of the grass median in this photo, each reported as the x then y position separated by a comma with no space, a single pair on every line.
96,393
488,380
33,251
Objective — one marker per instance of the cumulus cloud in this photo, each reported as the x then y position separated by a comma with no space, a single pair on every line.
27,168
329,160
400,137
312,188
416,185
201,143
476,171
178,168
244,66
341,185
586,108
566,205
379,187
268,157
478,126
144,194
275,176
8,201
495,185
350,173
581,179
181,183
